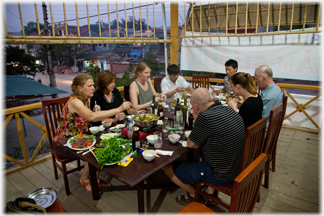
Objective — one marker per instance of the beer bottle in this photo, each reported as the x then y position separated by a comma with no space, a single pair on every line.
160,110
184,113
136,139
190,124
154,106
177,113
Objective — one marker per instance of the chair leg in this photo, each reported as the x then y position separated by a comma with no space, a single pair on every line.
273,158
266,174
66,181
79,164
54,167
197,190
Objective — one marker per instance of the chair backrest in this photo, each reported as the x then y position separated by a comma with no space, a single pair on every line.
284,101
126,92
157,84
254,142
52,114
200,81
246,186
275,121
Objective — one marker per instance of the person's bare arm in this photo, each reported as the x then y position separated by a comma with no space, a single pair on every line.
191,144
77,106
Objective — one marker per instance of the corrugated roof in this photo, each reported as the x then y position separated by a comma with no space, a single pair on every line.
17,85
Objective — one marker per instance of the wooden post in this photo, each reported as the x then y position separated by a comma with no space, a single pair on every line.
174,34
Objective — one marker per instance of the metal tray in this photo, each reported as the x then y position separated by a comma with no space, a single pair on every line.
44,197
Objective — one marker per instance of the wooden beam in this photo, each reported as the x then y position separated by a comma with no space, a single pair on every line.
174,29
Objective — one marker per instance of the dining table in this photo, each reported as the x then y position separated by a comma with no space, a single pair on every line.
135,175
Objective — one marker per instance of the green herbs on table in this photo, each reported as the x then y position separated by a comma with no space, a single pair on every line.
113,151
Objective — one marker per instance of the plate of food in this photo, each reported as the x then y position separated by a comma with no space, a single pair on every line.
116,149
108,135
80,142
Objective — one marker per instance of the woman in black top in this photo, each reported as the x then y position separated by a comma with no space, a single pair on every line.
243,85
107,96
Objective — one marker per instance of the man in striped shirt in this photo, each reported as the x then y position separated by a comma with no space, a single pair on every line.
219,131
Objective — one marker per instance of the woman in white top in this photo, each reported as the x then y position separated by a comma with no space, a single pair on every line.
141,91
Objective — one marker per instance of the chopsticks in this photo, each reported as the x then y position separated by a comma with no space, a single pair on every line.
91,151
145,149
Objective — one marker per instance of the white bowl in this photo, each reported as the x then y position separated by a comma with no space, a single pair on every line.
187,133
151,138
174,138
94,130
148,156
106,123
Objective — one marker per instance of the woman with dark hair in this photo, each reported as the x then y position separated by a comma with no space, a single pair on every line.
243,85
76,116
141,90
107,96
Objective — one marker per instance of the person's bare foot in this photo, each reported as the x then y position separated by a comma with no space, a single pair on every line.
86,184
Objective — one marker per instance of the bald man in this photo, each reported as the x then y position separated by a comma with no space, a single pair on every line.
219,131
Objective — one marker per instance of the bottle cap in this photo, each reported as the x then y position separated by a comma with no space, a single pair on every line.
135,153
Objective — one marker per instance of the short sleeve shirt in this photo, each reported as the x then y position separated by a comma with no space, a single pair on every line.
227,85
220,132
167,85
271,97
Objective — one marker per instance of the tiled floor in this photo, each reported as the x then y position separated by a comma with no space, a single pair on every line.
294,187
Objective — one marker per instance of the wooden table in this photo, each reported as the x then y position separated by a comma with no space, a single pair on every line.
135,173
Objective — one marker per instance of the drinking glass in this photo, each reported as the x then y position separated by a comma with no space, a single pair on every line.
165,126
158,140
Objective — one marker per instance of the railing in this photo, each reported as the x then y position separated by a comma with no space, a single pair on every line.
20,111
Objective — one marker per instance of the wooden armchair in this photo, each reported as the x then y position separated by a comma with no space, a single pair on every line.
157,84
275,121
246,186
195,208
51,110
253,147
200,81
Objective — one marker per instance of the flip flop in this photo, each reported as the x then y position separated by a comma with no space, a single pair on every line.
102,183
85,184
184,201
214,195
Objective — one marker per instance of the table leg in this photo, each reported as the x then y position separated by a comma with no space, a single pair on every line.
140,197
93,180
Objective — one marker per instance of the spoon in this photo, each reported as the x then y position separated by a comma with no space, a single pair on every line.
141,116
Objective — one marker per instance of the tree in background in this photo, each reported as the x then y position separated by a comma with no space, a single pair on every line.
20,63
151,60
31,28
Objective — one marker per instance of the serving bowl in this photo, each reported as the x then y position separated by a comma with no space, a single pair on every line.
146,123
148,156
151,138
106,123
174,138
94,129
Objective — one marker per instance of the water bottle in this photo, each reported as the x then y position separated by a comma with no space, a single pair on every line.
130,128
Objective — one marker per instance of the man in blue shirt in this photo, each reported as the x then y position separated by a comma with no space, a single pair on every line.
271,93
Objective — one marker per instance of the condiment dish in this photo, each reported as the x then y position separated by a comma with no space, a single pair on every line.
151,138
174,138
94,130
106,123
148,156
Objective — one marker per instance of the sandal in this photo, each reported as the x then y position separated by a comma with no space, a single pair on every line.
85,184
183,200
102,183
214,195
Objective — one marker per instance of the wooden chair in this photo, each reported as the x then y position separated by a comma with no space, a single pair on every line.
126,92
157,84
195,208
246,186
253,147
284,107
200,81
51,111
56,208
275,121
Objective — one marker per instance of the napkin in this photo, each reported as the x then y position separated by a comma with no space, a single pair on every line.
163,152
101,128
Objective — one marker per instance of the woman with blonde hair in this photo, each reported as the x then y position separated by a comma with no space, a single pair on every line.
243,85
107,96
76,116
141,90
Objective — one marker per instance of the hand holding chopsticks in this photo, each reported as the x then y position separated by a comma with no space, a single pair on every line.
145,149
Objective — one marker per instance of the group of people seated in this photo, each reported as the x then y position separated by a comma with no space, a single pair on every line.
219,130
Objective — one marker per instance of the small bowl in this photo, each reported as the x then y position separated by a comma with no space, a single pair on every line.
187,133
94,130
106,123
151,138
148,156
174,138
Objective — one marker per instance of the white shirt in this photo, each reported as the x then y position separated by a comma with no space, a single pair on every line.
167,85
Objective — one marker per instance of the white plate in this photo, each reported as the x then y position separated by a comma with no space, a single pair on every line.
68,144
120,126
109,134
